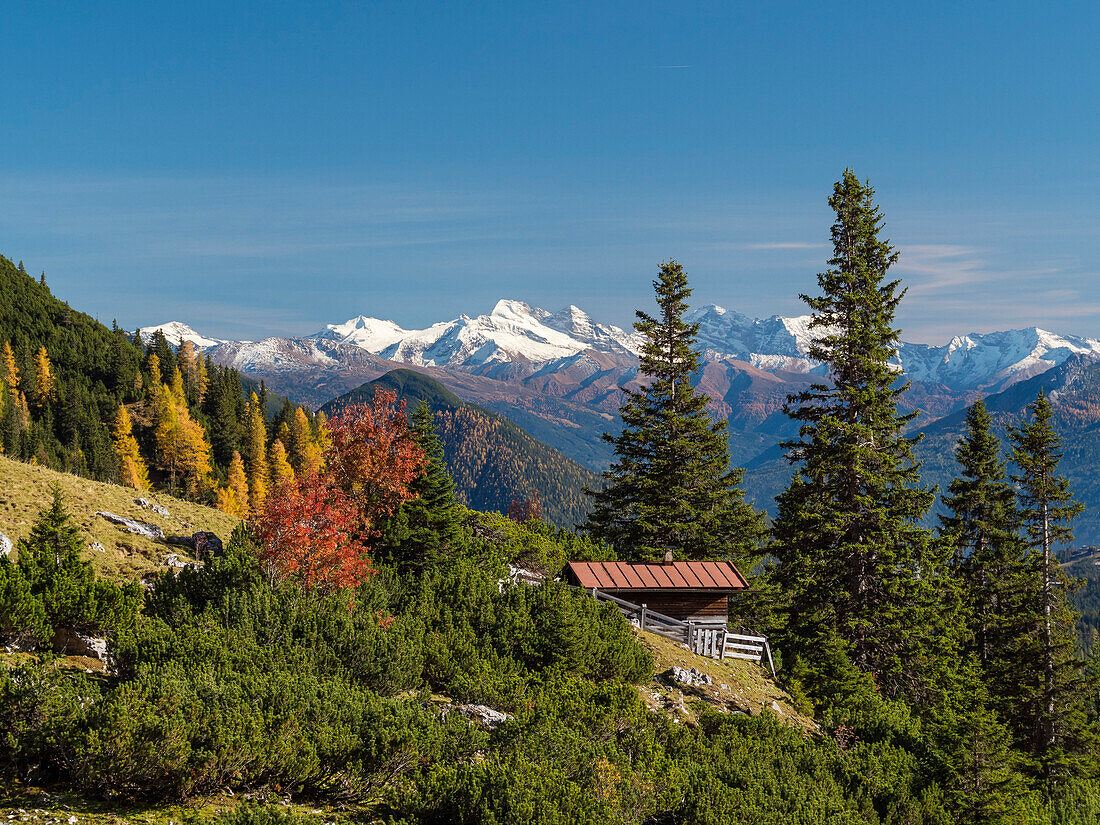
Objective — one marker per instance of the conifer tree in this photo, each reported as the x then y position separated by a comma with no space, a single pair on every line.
152,365
182,450
45,388
305,452
671,485
1053,688
982,525
49,560
131,467
233,497
11,371
281,471
256,445
426,527
860,574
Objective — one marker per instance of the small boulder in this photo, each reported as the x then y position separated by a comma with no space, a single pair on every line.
5,545
145,504
776,708
73,643
95,546
172,560
482,715
151,531
207,545
688,676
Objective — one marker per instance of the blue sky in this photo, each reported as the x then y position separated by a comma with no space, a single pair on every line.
259,168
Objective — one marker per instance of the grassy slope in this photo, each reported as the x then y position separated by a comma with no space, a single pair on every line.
25,489
739,685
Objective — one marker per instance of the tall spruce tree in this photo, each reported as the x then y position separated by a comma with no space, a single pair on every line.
671,485
426,527
989,559
1052,686
861,577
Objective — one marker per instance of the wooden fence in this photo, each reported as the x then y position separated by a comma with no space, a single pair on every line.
706,638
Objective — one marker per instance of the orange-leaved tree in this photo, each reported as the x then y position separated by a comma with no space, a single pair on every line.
316,528
374,457
309,532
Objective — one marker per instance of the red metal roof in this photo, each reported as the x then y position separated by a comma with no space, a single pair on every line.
637,575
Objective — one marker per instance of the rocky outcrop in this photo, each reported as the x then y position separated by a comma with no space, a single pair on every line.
481,715
71,642
687,676
139,528
5,545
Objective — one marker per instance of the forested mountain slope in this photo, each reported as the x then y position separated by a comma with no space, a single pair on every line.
493,461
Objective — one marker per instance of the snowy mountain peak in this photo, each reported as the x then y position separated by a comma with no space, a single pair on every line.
517,311
372,334
176,332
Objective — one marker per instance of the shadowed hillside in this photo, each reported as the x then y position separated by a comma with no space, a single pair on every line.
492,460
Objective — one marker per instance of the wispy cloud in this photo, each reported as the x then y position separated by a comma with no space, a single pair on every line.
784,245
941,267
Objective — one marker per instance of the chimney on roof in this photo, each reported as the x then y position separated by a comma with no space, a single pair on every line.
668,557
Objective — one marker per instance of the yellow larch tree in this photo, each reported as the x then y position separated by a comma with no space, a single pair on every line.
181,445
178,391
45,390
305,452
233,497
323,433
131,468
256,446
281,471
11,372
152,364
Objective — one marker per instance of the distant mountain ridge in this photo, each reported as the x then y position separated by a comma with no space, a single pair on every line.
533,340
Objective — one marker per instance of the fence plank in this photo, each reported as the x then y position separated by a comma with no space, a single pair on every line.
748,656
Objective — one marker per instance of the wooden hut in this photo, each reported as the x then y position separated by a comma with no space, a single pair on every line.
696,591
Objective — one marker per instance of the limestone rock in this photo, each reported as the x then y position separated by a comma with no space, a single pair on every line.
5,545
73,643
159,509
689,676
139,528
481,714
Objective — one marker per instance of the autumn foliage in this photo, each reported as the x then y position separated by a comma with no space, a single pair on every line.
316,528
373,457
310,531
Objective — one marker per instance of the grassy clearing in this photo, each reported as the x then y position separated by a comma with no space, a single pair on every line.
36,806
25,489
740,686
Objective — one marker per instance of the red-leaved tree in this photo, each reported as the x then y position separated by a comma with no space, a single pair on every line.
373,457
317,529
309,532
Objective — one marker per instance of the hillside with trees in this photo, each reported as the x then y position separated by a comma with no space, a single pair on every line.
78,397
493,461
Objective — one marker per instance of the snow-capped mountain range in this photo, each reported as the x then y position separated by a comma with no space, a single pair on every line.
520,340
